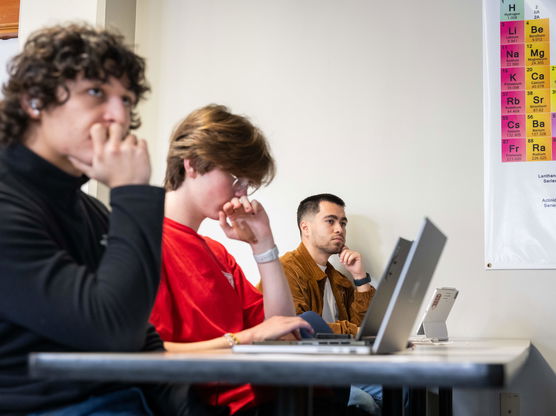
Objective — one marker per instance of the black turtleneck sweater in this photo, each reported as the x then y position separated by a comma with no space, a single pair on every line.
73,277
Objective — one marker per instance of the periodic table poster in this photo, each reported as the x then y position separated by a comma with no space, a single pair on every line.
519,40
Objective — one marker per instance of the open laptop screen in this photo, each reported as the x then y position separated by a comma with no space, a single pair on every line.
375,313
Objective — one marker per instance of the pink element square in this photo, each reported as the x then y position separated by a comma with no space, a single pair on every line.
512,32
512,55
513,102
513,150
512,78
513,126
554,148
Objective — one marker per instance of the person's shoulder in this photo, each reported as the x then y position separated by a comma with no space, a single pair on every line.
218,249
292,263
214,245
15,197
289,258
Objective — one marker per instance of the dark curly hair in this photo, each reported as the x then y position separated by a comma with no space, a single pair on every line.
54,55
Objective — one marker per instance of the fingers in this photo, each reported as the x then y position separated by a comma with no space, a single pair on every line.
130,141
115,134
244,231
238,230
278,326
118,158
113,137
99,134
240,206
295,322
228,209
223,223
349,257
142,144
256,205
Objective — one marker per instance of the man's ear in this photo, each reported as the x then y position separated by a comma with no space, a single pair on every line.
305,228
32,106
190,171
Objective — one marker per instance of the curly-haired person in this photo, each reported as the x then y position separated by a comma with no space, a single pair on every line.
73,276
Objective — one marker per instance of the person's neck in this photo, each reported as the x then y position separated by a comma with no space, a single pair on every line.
317,255
179,207
31,140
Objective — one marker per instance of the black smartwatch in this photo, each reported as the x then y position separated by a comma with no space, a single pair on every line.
361,282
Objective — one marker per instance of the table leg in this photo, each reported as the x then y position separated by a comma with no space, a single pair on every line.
417,402
445,401
392,401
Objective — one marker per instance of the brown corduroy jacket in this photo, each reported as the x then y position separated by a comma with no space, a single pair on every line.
307,281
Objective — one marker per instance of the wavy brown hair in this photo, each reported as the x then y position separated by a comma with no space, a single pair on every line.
212,137
57,54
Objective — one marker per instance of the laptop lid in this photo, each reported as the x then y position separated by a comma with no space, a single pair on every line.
403,307
375,312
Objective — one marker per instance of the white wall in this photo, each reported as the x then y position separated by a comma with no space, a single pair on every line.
8,48
378,102
34,14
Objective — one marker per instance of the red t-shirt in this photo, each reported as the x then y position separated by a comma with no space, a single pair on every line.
203,294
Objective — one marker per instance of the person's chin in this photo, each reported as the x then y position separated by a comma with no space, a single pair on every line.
336,248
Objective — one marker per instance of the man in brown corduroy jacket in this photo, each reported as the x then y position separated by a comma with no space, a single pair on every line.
315,284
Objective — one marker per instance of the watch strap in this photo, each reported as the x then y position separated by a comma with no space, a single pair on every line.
267,256
361,282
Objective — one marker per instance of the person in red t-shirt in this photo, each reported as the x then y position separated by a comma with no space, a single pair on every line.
205,301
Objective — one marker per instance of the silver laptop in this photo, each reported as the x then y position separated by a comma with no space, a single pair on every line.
376,311
396,314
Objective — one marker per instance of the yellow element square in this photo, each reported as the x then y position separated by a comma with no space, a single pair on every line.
537,77
537,53
537,30
538,125
539,149
537,101
553,101
553,77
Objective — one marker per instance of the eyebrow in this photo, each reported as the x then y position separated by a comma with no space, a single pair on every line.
334,217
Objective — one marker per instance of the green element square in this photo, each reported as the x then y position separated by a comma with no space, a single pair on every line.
511,10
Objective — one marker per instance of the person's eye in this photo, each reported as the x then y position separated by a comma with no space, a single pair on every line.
330,222
344,224
128,101
95,92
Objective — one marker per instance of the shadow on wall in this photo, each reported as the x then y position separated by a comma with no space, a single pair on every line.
362,236
535,384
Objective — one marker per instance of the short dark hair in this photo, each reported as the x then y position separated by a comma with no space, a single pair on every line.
213,137
57,54
310,205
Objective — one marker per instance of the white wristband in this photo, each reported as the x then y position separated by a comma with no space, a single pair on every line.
267,256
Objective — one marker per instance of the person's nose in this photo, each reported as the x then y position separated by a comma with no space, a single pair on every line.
117,112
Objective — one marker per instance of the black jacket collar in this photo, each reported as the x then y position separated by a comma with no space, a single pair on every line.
41,174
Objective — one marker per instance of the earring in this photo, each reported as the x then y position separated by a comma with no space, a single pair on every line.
34,104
